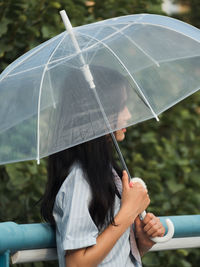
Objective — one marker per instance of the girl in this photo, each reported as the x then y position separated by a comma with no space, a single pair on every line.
92,205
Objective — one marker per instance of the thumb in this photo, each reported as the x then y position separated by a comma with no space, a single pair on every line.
125,180
138,224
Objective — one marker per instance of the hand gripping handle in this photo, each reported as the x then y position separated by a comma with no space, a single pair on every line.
169,223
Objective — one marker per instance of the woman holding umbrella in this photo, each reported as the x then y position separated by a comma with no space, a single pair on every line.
92,205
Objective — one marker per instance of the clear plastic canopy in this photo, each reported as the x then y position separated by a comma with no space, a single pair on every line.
141,65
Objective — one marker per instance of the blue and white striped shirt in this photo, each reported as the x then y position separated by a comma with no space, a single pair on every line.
74,226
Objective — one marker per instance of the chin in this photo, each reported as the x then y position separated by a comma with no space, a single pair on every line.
120,138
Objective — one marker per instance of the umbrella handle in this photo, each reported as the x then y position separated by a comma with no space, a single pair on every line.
169,223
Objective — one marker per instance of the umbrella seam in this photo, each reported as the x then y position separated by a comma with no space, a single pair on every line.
178,58
83,50
160,61
92,46
23,71
48,42
123,65
111,19
145,23
140,48
161,26
142,16
39,98
165,61
106,38
165,27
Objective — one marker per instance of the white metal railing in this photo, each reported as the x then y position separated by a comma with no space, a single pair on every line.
36,242
51,254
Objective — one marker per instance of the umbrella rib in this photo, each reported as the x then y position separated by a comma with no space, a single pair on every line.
39,99
36,50
140,48
27,70
156,62
178,58
119,31
165,27
96,33
92,46
135,22
135,82
60,59
166,61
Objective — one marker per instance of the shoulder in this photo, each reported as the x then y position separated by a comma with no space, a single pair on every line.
74,186
76,177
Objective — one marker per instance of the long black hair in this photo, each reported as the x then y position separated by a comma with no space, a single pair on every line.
95,156
96,161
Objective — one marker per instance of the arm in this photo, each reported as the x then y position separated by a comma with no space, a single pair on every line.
92,256
134,201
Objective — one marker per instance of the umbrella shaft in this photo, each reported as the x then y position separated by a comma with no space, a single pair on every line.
89,78
120,155
112,134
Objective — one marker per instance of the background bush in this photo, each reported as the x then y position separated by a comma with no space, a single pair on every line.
165,154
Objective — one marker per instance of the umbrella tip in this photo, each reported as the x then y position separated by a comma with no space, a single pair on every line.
66,20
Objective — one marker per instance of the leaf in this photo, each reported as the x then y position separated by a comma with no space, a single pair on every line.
174,187
4,26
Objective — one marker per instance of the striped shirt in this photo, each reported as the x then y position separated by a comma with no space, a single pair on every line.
74,226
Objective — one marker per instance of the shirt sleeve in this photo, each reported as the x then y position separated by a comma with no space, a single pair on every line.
78,230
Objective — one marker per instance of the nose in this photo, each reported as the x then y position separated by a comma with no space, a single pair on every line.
127,113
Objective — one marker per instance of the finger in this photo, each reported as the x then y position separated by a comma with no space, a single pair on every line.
160,232
138,186
139,224
125,180
149,216
156,229
153,230
131,184
151,224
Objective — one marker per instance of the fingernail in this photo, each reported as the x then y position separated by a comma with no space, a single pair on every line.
131,184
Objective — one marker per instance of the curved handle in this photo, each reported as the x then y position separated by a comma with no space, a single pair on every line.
169,223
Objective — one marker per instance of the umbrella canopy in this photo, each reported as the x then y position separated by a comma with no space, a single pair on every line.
141,65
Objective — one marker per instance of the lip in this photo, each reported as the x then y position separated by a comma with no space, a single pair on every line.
124,130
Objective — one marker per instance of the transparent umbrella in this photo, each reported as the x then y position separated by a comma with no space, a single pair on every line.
46,104
93,80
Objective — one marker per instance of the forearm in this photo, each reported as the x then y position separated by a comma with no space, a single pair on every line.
143,250
94,255
144,245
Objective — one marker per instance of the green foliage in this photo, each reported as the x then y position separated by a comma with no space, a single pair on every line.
26,24
104,9
22,185
165,154
192,14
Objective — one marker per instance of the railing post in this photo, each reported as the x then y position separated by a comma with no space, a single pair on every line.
4,259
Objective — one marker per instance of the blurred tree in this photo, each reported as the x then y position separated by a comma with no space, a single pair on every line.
192,13
165,154
104,9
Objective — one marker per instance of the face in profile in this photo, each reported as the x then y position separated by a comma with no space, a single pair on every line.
123,117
